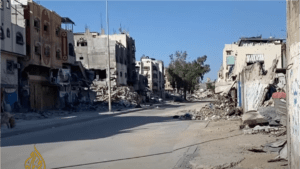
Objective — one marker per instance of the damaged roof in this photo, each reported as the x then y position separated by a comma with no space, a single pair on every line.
67,20
258,39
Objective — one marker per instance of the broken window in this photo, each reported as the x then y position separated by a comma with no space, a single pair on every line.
47,51
120,74
19,38
37,49
37,24
81,42
46,28
1,33
58,54
81,58
8,4
228,52
57,31
8,33
10,66
146,68
71,49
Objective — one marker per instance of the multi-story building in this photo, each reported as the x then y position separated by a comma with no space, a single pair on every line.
248,51
168,85
91,50
13,48
46,78
129,60
154,71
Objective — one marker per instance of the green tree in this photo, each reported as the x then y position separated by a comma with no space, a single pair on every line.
186,75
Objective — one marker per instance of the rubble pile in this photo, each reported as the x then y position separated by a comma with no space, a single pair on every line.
201,94
123,94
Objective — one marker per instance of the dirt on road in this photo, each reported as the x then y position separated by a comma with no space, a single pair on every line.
223,145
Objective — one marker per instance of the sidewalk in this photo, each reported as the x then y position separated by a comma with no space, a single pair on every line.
26,126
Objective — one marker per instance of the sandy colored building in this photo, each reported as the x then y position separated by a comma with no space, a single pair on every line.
247,51
46,68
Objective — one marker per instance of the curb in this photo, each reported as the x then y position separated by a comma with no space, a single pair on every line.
34,129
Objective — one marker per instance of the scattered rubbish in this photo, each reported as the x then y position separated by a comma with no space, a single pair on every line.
8,119
276,146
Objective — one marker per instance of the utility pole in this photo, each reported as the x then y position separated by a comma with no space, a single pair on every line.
109,97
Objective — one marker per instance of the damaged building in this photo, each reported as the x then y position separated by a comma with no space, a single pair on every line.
46,70
243,54
154,71
91,51
13,49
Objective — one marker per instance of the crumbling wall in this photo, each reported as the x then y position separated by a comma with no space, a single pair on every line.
293,88
256,85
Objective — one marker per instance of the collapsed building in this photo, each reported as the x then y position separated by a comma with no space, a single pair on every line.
92,51
245,53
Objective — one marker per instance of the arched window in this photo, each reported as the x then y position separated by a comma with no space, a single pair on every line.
37,24
58,54
71,49
47,51
8,4
19,38
57,31
8,33
1,33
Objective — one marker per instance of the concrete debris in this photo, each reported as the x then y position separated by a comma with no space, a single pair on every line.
122,94
276,146
253,118
223,108
263,129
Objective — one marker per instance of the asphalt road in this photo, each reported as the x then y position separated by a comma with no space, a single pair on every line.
140,140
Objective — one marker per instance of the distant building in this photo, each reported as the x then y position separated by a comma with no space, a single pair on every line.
168,86
248,51
91,50
13,48
154,71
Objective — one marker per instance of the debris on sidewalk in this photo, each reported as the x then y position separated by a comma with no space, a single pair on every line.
122,94
8,119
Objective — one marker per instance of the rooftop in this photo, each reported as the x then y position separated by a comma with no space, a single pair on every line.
258,39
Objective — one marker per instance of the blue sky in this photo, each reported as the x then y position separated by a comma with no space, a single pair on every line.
198,27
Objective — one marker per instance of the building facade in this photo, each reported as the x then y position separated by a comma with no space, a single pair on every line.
247,51
91,51
293,88
45,78
154,71
13,48
129,51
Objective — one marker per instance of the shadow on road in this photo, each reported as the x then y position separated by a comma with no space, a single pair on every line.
95,129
